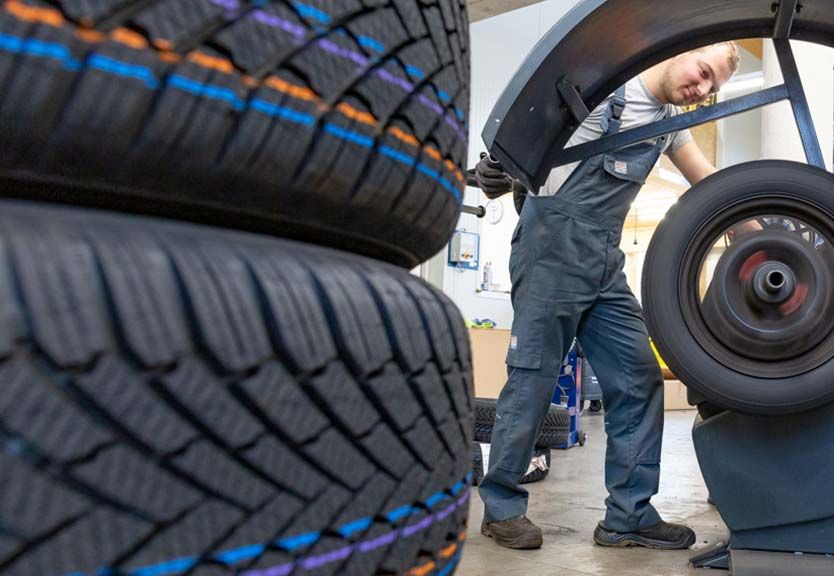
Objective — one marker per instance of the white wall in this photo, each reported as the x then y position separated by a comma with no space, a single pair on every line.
780,137
739,137
498,45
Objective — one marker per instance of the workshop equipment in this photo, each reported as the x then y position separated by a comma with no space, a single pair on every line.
568,394
754,341
591,390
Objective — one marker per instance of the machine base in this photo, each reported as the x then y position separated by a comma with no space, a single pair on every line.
756,563
770,478
714,556
760,563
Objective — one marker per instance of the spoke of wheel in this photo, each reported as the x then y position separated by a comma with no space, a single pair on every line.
679,122
784,19
799,103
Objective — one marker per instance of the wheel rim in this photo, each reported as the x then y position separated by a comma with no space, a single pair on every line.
755,286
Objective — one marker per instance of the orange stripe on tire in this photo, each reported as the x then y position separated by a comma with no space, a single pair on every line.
422,570
356,114
448,551
28,13
90,35
206,61
293,90
404,136
129,38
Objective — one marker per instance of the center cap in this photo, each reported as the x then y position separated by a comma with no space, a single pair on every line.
772,283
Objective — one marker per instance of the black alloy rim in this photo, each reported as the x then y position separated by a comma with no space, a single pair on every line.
771,312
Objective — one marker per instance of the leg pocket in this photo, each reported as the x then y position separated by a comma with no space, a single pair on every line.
527,336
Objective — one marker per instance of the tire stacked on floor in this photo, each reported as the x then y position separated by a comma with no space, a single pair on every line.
185,399
554,432
339,120
537,471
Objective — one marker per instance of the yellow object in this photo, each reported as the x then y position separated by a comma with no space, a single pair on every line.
657,355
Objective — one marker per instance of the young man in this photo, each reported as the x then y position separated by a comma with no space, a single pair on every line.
568,281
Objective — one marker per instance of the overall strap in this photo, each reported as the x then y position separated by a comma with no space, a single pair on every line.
611,121
612,118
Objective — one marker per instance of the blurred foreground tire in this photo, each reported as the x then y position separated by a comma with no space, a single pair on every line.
335,122
181,399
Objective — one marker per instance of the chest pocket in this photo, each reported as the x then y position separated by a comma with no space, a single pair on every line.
633,163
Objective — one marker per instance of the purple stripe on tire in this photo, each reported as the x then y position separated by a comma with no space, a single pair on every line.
230,5
409,531
271,20
357,58
316,561
299,32
428,103
312,562
388,77
456,127
282,570
333,48
377,542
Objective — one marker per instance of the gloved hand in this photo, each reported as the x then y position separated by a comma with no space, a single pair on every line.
489,176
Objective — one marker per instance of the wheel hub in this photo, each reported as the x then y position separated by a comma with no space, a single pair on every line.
770,298
773,283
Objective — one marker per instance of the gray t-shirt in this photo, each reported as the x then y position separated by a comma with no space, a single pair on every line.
641,108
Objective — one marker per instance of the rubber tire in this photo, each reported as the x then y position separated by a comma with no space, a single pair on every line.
680,349
538,475
554,432
339,122
477,464
176,392
534,476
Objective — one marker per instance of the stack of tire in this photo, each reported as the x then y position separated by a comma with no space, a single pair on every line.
537,470
194,379
554,433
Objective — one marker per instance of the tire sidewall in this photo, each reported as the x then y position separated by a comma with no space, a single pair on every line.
664,316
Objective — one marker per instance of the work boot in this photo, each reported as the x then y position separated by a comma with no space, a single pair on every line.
660,536
518,533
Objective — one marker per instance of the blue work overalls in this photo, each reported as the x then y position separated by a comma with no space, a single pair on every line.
568,281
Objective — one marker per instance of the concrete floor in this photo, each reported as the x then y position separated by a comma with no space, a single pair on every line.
569,503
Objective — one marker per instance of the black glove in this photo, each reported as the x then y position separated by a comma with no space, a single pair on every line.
491,178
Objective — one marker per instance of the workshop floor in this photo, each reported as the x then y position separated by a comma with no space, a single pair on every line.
569,503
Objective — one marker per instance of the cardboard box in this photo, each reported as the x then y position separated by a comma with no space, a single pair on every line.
674,396
489,349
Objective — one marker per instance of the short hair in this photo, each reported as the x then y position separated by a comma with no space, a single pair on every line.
733,56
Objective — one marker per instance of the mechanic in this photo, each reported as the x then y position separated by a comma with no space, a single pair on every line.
568,281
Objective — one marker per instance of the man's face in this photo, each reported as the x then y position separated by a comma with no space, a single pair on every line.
691,77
